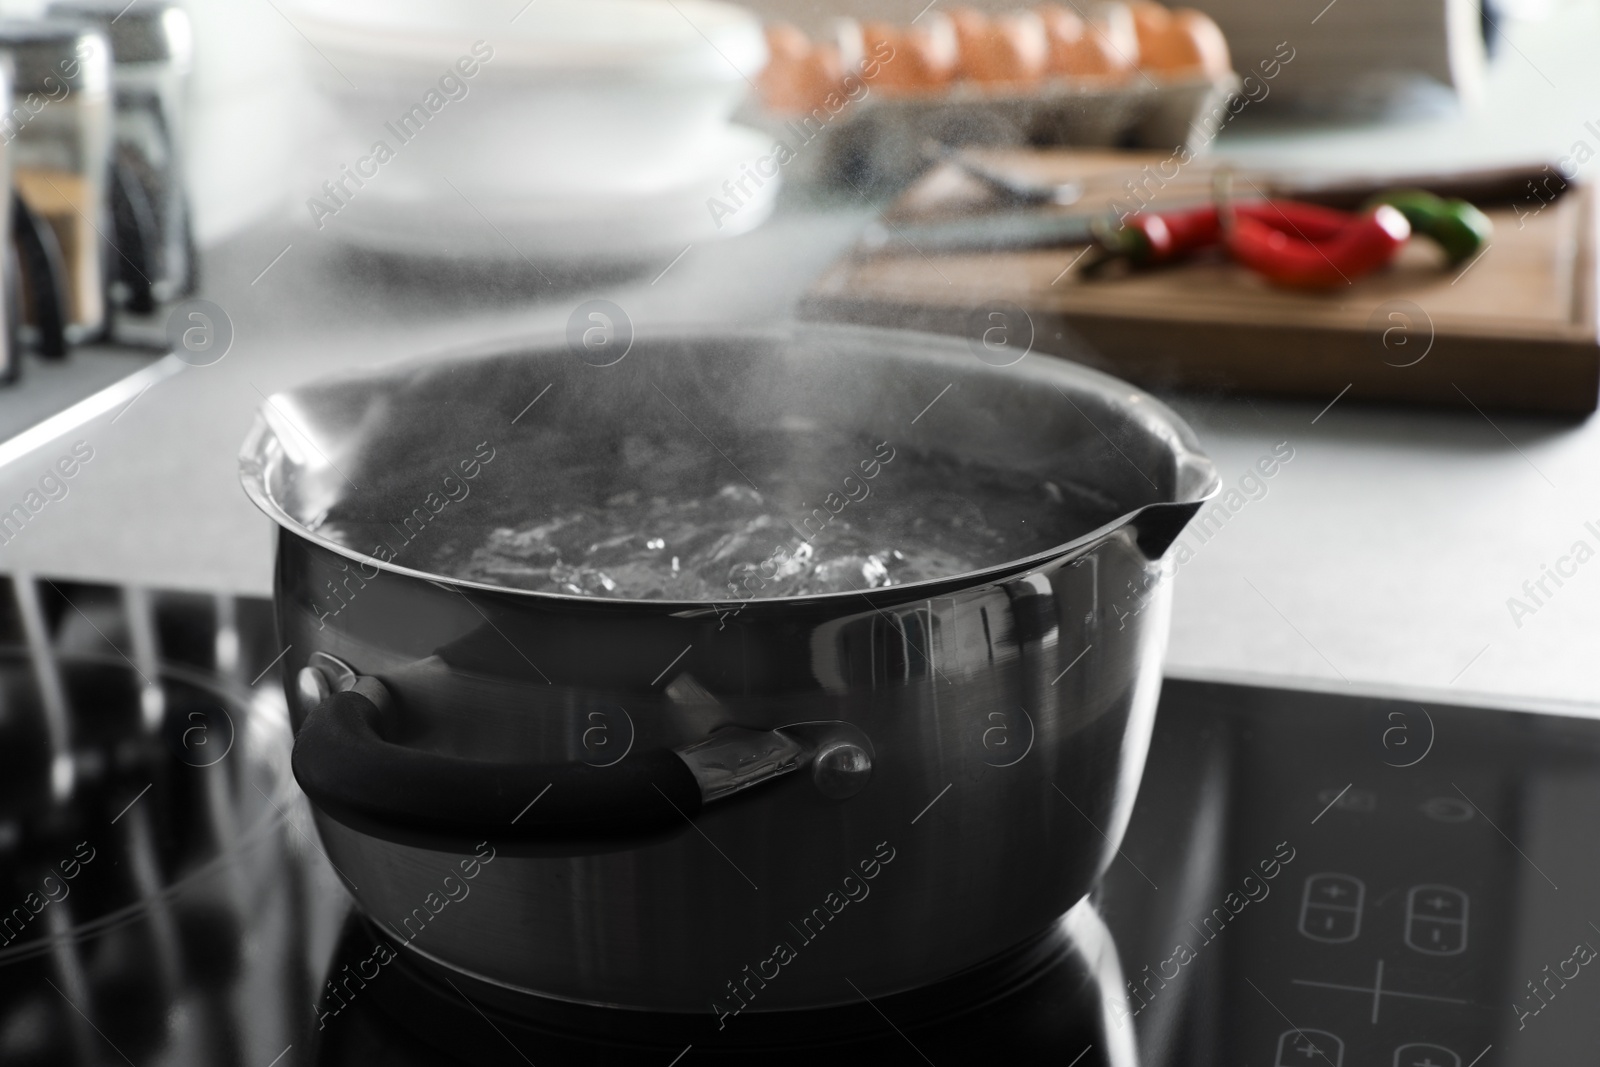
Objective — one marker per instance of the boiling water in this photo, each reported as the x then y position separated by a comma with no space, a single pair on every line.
785,514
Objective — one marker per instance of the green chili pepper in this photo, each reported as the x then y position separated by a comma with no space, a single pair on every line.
1454,225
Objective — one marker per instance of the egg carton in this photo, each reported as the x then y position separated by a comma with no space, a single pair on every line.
876,140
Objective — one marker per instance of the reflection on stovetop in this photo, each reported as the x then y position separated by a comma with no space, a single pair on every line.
1027,1006
142,853
1308,879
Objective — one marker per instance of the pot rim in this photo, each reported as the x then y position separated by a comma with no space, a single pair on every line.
1204,481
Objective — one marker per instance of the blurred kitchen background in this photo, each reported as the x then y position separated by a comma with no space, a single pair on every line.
605,151
252,87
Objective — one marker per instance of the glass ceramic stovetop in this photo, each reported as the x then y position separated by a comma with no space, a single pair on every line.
1310,878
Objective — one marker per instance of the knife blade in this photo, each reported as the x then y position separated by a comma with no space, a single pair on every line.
995,231
1020,230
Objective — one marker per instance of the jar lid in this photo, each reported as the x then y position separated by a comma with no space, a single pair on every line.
687,39
48,54
151,31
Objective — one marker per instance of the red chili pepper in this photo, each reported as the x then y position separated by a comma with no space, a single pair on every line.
1310,222
1298,245
1282,256
1175,235
1162,238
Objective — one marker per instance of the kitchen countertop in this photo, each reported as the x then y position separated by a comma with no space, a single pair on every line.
1383,553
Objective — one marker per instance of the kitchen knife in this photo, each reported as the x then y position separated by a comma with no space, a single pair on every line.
1019,230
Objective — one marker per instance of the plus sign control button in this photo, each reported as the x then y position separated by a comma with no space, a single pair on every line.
1300,1048
1439,902
1419,1054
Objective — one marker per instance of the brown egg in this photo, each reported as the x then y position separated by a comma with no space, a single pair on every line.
1188,43
1078,50
787,41
826,60
1114,23
972,29
911,61
778,81
1070,54
1169,52
1012,48
1150,19
799,76
1207,38
823,74
1027,44
1062,27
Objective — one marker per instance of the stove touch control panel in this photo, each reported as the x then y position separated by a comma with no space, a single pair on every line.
1385,968
1409,915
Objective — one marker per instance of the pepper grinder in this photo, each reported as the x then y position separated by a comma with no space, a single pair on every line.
10,265
58,133
151,54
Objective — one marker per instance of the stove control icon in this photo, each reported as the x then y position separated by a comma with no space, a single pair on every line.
1330,909
1419,1054
1297,1048
1436,920
1447,809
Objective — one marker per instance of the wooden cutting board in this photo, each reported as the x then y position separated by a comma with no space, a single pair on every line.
1514,329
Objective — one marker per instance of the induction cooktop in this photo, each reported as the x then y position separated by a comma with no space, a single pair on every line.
1311,877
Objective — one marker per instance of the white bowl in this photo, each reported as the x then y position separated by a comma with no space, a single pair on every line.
592,227
564,97
693,40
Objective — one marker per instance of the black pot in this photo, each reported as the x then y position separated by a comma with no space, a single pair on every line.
754,804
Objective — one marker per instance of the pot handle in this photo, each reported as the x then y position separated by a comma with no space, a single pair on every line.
348,770
398,793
